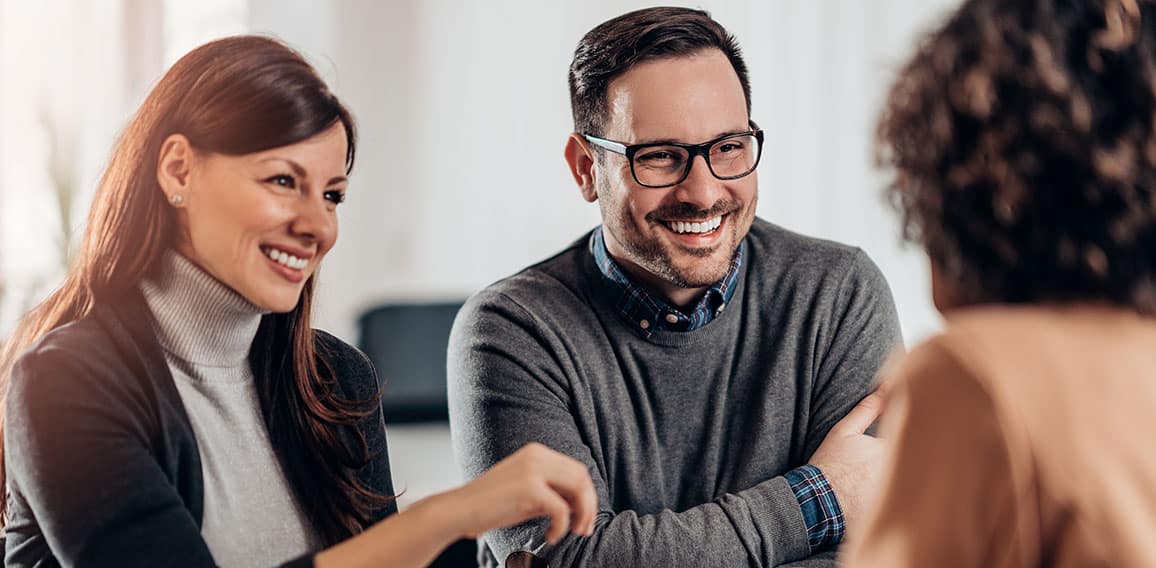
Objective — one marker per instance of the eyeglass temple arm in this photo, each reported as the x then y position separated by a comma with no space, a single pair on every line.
608,144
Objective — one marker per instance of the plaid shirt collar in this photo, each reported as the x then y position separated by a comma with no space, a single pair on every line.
646,313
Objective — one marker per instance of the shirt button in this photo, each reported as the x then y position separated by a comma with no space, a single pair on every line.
644,324
671,318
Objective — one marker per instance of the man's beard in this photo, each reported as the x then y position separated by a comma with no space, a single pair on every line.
654,256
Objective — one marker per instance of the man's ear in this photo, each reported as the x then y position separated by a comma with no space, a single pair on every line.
173,166
580,158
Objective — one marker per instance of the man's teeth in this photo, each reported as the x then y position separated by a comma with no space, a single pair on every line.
285,258
703,227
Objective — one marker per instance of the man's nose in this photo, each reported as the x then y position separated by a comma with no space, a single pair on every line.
700,188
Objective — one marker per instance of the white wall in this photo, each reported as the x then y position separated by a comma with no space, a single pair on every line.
464,110
63,76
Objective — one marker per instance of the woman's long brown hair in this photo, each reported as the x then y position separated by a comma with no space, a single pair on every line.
233,96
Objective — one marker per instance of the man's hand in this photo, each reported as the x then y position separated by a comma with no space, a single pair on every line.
851,460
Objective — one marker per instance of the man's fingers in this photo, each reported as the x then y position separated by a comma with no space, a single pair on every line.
863,415
884,388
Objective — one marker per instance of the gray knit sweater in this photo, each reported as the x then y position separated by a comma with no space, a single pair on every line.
685,434
251,516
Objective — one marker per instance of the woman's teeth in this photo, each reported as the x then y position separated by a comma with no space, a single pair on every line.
285,258
701,228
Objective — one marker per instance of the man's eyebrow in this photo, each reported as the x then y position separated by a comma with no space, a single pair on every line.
673,141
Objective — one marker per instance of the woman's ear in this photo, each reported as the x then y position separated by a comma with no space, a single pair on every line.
580,158
173,166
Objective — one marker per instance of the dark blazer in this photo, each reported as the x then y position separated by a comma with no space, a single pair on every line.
102,463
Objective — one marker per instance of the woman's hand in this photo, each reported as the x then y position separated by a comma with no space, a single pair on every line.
533,482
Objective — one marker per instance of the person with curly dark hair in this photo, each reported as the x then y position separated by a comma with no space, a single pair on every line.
1022,137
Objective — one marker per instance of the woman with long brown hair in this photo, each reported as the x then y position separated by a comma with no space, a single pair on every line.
170,403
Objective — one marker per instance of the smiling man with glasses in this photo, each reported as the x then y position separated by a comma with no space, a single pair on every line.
711,369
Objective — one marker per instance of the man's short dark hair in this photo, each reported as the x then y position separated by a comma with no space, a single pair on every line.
1022,136
614,46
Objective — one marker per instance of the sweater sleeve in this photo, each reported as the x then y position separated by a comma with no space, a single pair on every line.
77,453
507,388
861,333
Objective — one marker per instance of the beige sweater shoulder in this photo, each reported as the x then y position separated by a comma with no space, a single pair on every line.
1019,437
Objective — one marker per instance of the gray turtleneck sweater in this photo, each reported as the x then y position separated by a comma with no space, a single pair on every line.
251,516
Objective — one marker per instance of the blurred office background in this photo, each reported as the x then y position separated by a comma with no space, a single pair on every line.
463,112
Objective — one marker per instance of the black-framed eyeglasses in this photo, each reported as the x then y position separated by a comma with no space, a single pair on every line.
664,164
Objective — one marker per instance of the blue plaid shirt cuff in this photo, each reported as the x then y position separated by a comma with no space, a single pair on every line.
821,512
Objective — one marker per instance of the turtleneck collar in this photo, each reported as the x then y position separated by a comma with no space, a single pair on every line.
199,319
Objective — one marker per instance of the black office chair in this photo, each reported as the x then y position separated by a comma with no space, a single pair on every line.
407,343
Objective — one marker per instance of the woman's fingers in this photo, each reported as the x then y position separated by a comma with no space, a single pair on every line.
569,485
556,508
536,481
571,480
